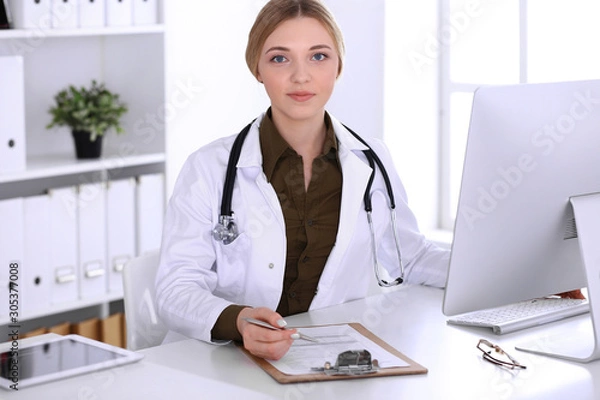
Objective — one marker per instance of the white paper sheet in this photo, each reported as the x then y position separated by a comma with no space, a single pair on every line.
333,340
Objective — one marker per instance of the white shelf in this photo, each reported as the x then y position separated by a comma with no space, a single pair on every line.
60,165
131,61
66,307
101,31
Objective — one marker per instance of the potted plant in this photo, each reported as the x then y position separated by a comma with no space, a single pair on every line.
90,113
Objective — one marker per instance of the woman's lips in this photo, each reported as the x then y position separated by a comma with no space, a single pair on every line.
301,96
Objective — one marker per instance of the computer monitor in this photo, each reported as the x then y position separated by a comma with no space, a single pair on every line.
531,148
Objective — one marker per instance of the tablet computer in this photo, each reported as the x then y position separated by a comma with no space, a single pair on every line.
58,358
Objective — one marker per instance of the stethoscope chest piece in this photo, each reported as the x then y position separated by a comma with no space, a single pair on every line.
226,230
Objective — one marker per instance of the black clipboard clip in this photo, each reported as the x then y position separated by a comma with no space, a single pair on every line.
351,362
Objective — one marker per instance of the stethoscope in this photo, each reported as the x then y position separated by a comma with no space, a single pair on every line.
226,230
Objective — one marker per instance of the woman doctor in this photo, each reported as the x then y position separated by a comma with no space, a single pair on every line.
304,240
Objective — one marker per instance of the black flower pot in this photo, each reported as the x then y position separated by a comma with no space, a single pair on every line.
85,148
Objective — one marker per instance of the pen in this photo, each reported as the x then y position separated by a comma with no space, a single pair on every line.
269,326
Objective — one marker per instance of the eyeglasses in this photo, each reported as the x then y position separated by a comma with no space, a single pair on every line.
496,355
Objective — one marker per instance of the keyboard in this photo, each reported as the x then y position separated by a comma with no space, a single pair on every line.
521,315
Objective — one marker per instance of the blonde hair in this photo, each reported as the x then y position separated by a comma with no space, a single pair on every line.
277,11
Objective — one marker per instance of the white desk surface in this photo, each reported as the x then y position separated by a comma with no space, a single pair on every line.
408,318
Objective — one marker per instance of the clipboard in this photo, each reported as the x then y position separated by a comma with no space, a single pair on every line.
413,367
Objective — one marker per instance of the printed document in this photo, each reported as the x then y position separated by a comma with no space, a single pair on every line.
333,340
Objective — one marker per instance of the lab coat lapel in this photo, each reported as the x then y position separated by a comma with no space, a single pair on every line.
356,173
356,176
250,166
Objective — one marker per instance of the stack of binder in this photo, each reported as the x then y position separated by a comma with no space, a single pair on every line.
71,243
57,14
109,330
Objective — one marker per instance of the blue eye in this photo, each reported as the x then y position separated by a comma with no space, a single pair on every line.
319,57
278,59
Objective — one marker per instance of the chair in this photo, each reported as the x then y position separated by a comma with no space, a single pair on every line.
144,328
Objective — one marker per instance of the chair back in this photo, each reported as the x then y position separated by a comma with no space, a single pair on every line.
144,328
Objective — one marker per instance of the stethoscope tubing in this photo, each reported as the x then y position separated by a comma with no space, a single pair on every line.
234,156
226,230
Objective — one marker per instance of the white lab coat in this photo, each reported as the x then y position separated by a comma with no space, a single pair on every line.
198,277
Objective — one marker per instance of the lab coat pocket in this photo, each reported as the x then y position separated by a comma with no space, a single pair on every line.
232,262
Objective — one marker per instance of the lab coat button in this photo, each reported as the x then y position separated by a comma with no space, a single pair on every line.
271,265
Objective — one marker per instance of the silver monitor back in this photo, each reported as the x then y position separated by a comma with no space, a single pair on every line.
530,147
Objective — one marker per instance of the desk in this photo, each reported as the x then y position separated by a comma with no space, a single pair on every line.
409,318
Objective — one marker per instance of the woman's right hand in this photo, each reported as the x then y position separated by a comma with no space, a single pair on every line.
263,342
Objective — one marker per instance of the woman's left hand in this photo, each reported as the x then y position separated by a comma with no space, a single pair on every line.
573,294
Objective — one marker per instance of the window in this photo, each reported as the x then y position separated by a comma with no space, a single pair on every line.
505,42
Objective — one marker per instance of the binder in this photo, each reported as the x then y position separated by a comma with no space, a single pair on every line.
35,332
12,115
145,12
91,218
63,328
92,13
11,253
29,14
37,277
65,14
120,217
119,12
63,244
89,328
111,330
149,212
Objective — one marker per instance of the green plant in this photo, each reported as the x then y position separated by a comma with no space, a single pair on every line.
94,109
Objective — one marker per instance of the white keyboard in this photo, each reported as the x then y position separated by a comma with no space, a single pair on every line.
522,315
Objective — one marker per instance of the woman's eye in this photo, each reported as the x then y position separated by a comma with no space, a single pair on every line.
319,57
278,59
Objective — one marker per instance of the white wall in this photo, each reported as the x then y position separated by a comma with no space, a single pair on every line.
411,102
210,92
358,97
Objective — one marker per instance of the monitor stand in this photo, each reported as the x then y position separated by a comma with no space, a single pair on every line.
583,344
